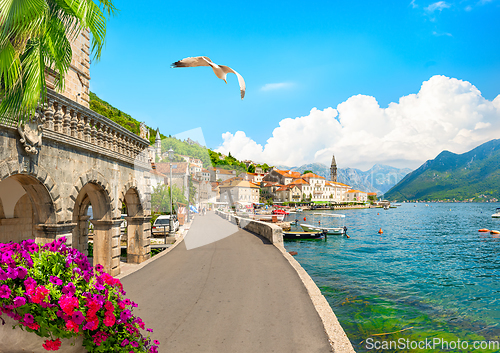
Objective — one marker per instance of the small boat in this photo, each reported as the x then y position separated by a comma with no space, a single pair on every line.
329,231
496,214
293,235
268,217
330,214
494,231
484,230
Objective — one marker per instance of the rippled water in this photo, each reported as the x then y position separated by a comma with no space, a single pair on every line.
431,273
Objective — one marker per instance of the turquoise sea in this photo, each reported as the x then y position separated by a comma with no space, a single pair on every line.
430,275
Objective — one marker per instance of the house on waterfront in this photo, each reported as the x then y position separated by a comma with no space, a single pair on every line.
356,196
288,193
240,192
282,177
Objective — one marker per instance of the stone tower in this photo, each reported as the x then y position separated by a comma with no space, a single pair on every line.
78,76
333,170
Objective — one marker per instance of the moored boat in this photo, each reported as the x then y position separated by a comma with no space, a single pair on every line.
329,231
496,214
291,235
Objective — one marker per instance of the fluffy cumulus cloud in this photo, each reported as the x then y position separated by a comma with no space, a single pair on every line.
446,114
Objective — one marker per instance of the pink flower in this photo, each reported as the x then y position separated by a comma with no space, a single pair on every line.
109,319
68,304
52,345
71,325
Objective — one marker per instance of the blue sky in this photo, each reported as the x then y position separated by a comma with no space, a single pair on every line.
305,65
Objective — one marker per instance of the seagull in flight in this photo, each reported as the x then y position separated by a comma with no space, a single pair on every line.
220,71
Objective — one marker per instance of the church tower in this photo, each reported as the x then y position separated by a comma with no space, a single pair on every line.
333,170
158,143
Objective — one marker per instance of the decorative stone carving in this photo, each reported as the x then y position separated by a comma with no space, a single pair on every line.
31,133
144,131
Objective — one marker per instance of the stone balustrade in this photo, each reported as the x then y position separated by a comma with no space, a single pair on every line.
67,121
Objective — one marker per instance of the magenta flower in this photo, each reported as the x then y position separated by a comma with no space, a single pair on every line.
19,301
56,280
124,343
78,317
5,291
29,319
21,272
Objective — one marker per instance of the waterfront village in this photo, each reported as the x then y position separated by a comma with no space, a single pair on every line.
216,187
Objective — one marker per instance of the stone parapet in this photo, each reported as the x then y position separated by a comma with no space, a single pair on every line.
270,231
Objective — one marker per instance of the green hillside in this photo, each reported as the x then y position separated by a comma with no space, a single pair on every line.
207,156
119,117
474,175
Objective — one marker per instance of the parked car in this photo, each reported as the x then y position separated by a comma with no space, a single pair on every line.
161,225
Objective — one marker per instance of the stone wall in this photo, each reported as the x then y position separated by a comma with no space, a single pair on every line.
270,231
78,159
77,78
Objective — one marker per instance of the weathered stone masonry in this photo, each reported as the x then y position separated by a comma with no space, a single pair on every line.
65,159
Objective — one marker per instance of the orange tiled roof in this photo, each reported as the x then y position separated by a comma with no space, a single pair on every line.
312,175
299,182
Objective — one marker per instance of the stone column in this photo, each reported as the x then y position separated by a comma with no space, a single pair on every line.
138,239
45,233
107,245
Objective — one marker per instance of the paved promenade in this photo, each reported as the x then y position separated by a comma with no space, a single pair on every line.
237,294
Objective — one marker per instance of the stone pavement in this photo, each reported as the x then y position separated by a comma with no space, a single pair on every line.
236,293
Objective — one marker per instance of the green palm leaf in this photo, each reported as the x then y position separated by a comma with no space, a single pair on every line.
35,35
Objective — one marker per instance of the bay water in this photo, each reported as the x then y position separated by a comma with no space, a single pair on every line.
431,276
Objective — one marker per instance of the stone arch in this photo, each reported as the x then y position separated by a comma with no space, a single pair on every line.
133,198
28,204
138,228
92,188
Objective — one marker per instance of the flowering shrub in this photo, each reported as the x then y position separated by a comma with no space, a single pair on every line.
53,291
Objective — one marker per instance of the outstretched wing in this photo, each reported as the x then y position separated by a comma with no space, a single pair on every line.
193,61
241,81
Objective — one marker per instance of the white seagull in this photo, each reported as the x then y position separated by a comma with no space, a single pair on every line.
220,71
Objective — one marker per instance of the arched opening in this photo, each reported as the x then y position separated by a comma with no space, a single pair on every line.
135,235
105,230
25,205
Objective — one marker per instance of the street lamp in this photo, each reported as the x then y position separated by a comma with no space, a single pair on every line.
171,223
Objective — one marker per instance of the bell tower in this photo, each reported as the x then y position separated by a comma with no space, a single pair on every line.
333,170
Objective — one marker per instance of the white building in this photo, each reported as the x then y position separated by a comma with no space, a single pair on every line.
239,191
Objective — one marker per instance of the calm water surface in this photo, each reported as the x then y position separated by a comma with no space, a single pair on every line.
431,274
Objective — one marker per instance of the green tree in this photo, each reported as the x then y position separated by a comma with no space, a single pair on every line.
251,168
160,198
307,171
35,35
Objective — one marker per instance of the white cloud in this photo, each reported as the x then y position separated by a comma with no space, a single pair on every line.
442,34
446,114
413,5
275,86
440,5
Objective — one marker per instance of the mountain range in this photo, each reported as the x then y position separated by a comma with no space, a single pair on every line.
379,179
474,175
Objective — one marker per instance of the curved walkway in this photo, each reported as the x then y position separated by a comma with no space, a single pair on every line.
237,294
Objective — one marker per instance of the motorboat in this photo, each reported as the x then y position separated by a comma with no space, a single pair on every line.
296,235
268,217
329,231
496,214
